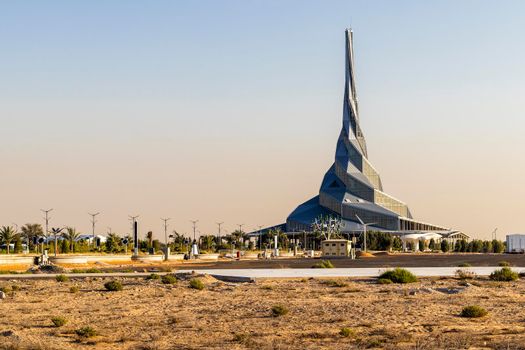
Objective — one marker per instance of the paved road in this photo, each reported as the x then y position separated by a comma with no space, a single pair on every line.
346,272
250,274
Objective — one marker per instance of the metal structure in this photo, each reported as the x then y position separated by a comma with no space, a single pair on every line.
166,249
46,212
93,222
352,186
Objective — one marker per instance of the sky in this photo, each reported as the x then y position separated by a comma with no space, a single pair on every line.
229,111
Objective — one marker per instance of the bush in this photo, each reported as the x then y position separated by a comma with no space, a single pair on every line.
399,275
384,281
465,274
196,284
346,332
279,310
5,289
503,263
153,276
73,289
59,321
168,279
113,286
62,278
465,264
324,264
15,288
86,332
334,283
504,274
473,311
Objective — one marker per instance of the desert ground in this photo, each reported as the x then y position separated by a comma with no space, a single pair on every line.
147,314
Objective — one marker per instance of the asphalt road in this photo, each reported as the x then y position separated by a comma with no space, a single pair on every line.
381,260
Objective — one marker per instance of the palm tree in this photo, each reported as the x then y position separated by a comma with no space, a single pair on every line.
149,236
7,235
29,231
71,235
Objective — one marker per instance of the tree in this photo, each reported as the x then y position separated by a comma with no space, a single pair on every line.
208,242
422,245
30,231
113,242
463,245
71,235
236,237
149,237
7,235
397,243
487,247
445,247
18,244
432,244
497,246
457,246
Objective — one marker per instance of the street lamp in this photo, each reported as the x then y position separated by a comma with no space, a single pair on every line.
364,229
166,252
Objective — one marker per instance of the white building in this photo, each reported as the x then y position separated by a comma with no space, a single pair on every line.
516,243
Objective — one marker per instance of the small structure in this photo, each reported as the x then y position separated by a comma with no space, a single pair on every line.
516,243
337,248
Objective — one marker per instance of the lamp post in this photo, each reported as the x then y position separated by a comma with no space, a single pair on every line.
219,224
166,251
193,247
364,229
46,212
93,221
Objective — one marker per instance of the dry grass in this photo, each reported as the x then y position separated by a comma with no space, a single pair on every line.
149,315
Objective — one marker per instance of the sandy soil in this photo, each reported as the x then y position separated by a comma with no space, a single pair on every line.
150,315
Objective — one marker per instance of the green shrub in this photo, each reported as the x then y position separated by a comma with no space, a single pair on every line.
503,263
347,332
465,264
5,289
196,284
279,310
73,289
473,311
384,281
86,332
504,274
399,275
465,274
59,321
334,283
153,276
168,279
324,264
113,286
61,278
15,287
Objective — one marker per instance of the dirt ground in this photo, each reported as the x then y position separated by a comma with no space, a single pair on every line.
147,314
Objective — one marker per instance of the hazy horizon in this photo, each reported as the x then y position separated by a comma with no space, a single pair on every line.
230,111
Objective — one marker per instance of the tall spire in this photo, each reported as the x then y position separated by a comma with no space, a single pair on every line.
350,105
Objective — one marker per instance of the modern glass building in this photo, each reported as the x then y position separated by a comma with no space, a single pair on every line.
351,189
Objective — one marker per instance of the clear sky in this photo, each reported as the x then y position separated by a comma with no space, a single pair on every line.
230,110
